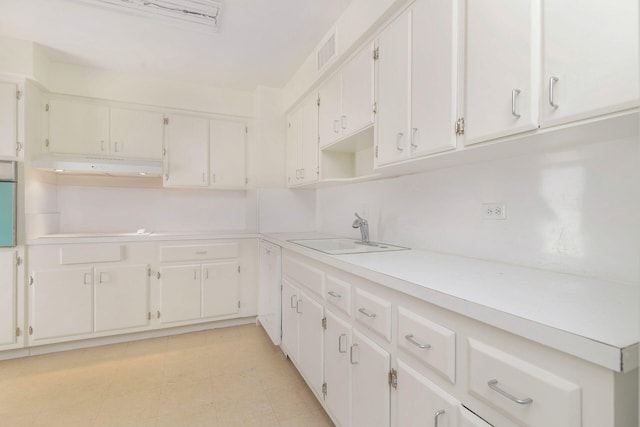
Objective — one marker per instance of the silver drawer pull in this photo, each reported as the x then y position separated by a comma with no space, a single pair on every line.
494,386
436,416
366,312
416,343
334,294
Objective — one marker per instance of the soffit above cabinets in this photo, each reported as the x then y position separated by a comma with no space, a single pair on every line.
257,43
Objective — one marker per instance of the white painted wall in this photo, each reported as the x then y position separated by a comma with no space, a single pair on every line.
126,209
285,210
575,211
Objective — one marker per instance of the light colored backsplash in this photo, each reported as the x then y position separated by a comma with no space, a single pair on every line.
574,211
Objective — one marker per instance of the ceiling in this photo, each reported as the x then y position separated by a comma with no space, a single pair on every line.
259,42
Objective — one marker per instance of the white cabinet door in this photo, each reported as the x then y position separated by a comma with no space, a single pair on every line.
329,111
370,386
78,127
357,92
8,119
290,298
337,368
501,95
8,297
269,290
422,403
310,141
393,91
434,64
180,293
310,340
220,288
61,303
227,154
590,50
121,297
187,144
294,148
136,133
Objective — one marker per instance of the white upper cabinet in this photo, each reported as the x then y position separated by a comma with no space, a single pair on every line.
9,146
302,144
434,65
136,133
590,58
78,127
393,91
187,145
346,99
501,68
227,154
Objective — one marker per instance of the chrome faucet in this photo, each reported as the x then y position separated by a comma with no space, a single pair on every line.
363,225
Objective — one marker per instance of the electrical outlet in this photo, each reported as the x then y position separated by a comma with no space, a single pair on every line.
494,211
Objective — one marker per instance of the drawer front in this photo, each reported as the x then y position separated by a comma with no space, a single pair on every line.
304,274
88,254
525,392
339,294
198,252
373,312
432,344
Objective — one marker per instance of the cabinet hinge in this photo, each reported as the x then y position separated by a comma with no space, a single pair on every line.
18,261
46,107
31,280
18,332
164,151
376,54
158,314
238,304
376,151
149,272
393,378
46,142
460,126
19,146
166,120
149,315
30,330
158,275
246,180
318,101
324,390
18,94
324,323
238,269
375,108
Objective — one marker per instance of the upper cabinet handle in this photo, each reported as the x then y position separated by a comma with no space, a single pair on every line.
413,137
292,303
552,83
436,416
494,386
398,138
343,122
514,95
336,126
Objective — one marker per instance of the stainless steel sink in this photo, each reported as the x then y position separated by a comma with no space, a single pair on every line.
341,246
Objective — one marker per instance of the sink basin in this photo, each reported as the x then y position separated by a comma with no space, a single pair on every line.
340,246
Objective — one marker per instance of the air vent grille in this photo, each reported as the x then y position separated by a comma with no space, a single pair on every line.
327,51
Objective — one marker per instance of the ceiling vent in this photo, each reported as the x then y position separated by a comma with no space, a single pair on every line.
198,14
327,51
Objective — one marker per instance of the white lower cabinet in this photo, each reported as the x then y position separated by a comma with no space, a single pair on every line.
337,368
290,296
10,315
179,293
220,288
79,301
370,385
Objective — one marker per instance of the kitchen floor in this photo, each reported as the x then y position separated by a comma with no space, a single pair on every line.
217,378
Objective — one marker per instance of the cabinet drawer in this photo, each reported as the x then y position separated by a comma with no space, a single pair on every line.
198,252
339,294
527,393
304,274
86,254
374,312
432,344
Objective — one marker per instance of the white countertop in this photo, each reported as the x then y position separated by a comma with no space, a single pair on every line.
590,318
114,237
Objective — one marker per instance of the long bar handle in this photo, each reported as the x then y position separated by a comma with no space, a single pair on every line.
494,386
366,312
436,416
552,83
514,95
334,294
412,340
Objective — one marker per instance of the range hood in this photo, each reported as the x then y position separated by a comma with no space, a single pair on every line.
98,165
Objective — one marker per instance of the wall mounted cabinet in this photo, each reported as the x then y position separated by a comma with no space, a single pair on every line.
10,96
204,153
302,144
136,133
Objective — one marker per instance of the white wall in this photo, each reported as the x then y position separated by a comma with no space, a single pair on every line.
126,209
575,211
285,210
